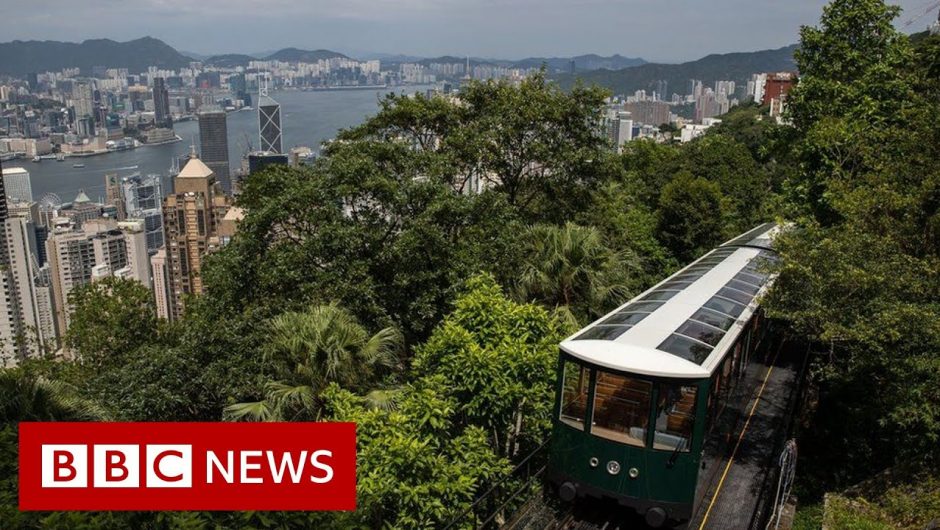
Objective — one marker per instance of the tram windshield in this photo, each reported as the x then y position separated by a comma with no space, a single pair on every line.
621,408
574,394
675,416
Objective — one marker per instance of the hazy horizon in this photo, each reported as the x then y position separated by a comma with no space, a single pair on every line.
676,31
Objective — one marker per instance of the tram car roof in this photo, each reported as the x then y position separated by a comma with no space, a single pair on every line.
683,326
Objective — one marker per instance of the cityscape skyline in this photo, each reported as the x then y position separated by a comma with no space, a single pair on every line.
432,28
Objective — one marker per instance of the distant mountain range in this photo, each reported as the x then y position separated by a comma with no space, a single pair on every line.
582,63
730,66
22,57
620,74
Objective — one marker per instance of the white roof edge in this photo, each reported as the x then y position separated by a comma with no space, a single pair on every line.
633,359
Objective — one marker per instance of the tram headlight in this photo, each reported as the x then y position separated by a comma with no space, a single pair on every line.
593,461
633,472
613,467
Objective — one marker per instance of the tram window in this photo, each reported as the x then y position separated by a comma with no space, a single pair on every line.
624,318
621,408
713,318
574,394
737,296
727,307
676,284
749,278
601,332
743,286
660,295
647,306
675,417
688,349
702,332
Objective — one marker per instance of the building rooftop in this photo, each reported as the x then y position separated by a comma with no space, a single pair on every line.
195,168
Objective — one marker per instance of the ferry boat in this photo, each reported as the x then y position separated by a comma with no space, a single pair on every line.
78,165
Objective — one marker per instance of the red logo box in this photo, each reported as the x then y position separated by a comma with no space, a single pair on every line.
187,466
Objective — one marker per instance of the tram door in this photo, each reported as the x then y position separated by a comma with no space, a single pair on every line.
672,462
621,414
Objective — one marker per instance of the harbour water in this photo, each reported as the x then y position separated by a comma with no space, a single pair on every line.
307,118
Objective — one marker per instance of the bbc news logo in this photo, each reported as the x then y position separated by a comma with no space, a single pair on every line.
187,466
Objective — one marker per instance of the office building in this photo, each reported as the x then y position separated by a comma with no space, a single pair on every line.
114,195
161,104
191,218
259,160
213,144
269,125
17,185
141,199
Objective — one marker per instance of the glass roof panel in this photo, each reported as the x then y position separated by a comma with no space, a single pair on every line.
752,279
624,318
660,295
677,284
713,318
686,348
735,295
645,305
701,332
601,332
743,286
725,306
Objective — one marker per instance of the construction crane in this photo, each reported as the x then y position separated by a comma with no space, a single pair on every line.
930,7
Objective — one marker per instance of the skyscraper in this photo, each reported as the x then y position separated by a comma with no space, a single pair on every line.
213,143
16,184
9,321
161,103
269,124
143,199
191,218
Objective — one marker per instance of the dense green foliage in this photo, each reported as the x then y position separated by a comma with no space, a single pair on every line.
861,270
417,278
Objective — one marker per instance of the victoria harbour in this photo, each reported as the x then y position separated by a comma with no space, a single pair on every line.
309,118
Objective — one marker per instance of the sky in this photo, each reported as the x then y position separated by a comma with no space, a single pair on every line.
656,30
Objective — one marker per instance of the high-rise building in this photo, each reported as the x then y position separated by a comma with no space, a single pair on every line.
31,287
649,112
9,313
269,124
191,218
83,100
213,143
17,185
620,129
114,195
161,104
102,247
139,198
161,283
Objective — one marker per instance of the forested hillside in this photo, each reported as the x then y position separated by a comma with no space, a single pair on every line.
374,287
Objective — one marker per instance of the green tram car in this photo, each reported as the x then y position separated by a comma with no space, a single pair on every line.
642,392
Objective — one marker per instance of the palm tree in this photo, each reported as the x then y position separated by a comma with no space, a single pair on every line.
25,397
312,348
570,267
